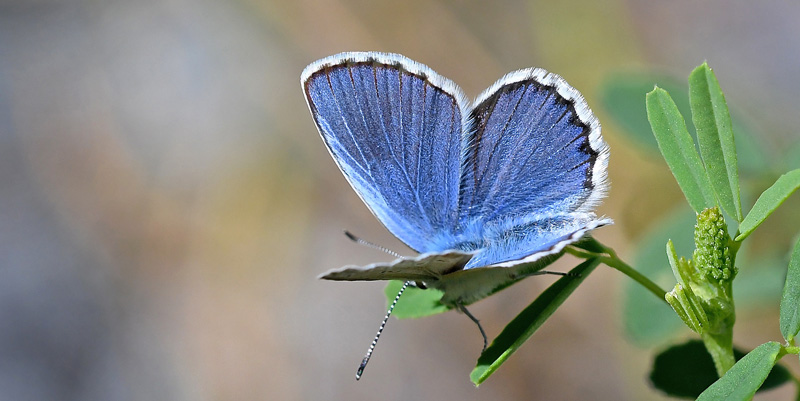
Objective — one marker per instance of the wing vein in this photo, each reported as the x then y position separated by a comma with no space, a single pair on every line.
363,165
493,194
410,185
419,151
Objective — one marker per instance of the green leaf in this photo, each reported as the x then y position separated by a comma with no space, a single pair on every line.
790,301
678,149
647,319
621,96
688,307
681,275
746,376
529,320
769,200
415,302
715,137
590,244
685,370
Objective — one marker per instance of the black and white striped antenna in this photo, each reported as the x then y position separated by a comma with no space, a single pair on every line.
366,243
391,307
364,361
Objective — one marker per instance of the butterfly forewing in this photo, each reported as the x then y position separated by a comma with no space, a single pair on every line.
530,176
530,151
394,128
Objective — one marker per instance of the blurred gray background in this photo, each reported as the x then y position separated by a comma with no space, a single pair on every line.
166,202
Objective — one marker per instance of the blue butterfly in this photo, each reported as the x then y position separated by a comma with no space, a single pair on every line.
485,192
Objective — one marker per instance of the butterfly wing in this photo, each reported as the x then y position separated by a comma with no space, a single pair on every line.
534,169
427,268
394,128
512,242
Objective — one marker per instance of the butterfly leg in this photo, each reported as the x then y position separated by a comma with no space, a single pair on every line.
462,308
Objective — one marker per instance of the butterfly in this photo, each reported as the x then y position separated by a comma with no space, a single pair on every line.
487,193
482,191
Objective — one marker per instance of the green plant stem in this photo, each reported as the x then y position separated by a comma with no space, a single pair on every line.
613,261
721,350
635,275
790,350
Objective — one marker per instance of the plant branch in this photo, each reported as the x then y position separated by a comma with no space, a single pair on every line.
612,260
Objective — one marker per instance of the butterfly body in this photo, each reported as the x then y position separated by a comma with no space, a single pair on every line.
485,192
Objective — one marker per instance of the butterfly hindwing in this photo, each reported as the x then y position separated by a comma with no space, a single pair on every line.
428,267
394,128
534,168
516,242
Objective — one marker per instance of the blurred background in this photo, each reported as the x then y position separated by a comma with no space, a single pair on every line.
166,203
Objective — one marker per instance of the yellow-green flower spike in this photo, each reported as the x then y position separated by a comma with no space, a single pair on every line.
712,255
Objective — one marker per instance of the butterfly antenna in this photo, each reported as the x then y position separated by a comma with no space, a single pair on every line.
358,240
469,315
380,330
